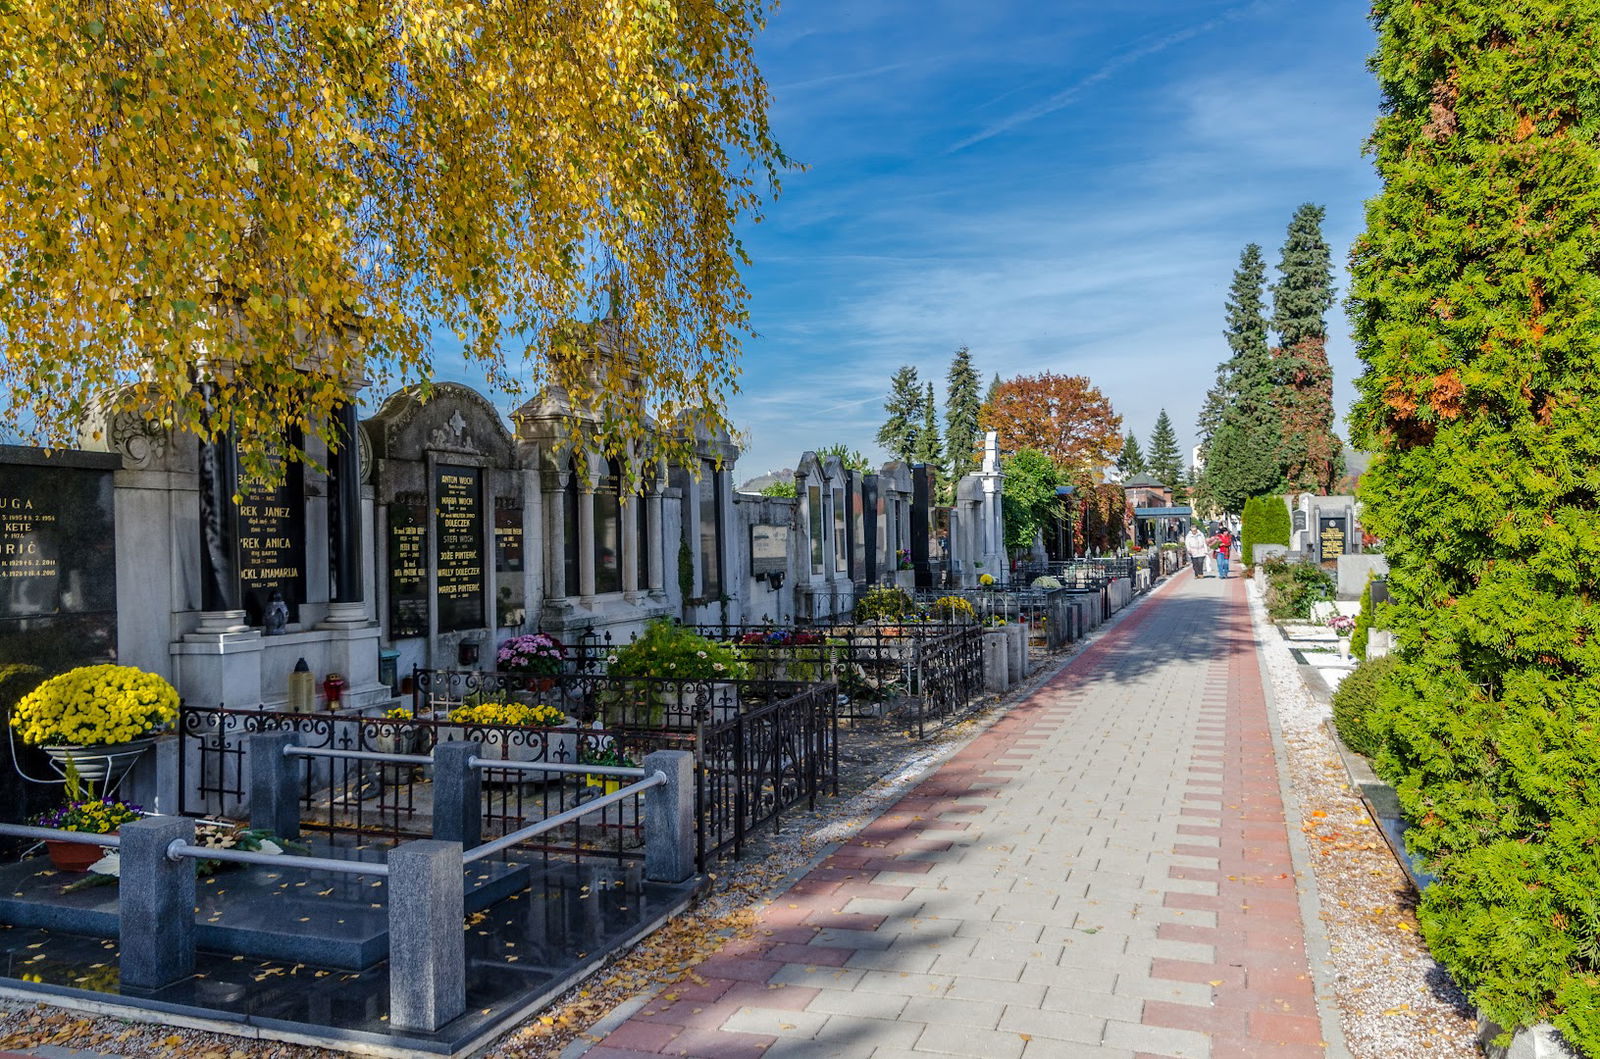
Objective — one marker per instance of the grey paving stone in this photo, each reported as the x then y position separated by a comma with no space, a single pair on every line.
884,1006
778,1023
1062,1025
944,1011
1181,1044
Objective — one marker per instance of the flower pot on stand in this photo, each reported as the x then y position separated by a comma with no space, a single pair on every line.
74,856
1344,648
102,765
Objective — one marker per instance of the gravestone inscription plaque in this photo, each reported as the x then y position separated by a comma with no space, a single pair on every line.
1331,535
458,520
58,563
272,542
408,566
510,604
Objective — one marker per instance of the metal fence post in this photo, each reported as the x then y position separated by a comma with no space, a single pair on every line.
669,845
273,793
155,904
427,947
457,794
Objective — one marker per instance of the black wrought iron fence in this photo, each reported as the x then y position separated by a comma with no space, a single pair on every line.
389,802
761,762
871,663
784,729
947,675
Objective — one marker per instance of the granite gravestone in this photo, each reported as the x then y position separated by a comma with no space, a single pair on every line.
1332,534
58,584
272,543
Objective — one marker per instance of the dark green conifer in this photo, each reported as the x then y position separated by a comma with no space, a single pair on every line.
1476,306
961,405
898,435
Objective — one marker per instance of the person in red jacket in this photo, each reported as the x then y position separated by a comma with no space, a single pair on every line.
1223,543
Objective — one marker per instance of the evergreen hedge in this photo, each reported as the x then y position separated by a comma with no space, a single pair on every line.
1476,304
1356,713
1266,521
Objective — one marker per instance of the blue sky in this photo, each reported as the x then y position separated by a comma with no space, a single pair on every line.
1062,186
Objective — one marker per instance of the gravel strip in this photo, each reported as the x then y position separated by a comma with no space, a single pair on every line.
1394,1000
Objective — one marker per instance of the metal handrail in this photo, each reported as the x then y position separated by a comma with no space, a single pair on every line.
504,842
622,771
181,849
362,755
56,834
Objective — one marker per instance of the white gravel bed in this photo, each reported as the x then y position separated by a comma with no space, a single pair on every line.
1394,1000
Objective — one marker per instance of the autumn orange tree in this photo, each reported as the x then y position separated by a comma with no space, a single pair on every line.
1063,416
278,199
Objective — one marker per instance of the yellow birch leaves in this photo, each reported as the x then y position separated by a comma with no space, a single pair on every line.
281,197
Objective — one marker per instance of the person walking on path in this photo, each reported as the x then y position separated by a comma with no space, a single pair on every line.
1195,544
1224,545
1105,870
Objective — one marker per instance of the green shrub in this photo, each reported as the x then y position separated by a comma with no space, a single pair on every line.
669,650
1293,587
1356,713
1358,638
884,603
1265,521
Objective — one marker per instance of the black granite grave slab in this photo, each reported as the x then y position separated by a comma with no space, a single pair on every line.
331,919
521,953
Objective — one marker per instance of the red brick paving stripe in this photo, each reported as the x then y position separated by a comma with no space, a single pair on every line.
1264,1002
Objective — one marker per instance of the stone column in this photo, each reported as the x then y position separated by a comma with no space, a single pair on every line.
346,605
155,922
457,794
669,817
630,547
274,793
586,540
555,537
657,542
427,947
221,595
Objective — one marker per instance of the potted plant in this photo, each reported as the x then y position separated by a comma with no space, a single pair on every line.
609,756
394,732
97,718
87,814
884,604
669,651
1343,625
537,654
498,721
952,609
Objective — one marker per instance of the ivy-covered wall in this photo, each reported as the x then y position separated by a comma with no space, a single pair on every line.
1476,302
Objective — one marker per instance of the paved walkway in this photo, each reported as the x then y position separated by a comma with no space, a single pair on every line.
1104,872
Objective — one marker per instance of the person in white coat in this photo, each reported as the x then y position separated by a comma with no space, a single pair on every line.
1195,544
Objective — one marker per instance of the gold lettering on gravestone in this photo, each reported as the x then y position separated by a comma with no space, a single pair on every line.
268,531
1332,539
458,519
22,527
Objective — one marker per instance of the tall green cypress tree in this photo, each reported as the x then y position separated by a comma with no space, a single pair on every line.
961,406
1164,462
1476,303
927,447
898,435
1242,451
1300,301
994,384
1131,463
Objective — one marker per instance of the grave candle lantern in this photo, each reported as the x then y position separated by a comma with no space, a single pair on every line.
333,689
302,697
